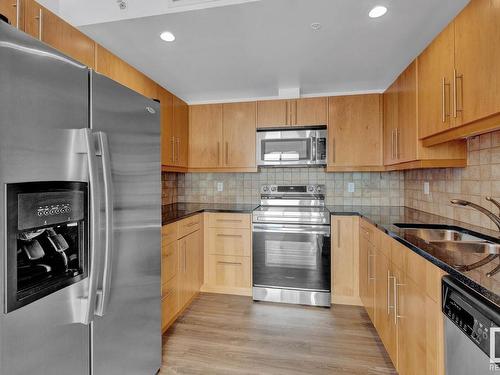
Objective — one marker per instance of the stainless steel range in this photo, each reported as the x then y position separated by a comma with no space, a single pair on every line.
291,246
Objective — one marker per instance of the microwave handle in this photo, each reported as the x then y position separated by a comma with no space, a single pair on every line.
88,302
314,147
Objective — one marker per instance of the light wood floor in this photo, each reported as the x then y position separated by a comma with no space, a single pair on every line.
220,334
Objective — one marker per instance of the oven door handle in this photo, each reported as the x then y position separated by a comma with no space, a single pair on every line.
103,293
323,230
89,301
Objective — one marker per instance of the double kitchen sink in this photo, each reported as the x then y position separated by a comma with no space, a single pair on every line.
457,239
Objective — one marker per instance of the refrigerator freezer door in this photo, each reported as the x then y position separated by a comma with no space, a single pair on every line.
127,338
43,95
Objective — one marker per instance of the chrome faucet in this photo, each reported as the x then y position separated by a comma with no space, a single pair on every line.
496,220
491,215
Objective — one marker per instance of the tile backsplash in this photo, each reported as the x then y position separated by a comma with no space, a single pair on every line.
479,179
386,188
169,187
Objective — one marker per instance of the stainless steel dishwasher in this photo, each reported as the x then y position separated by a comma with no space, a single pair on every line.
470,322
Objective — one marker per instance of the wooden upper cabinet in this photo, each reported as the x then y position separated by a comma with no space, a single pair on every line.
12,9
118,70
273,113
239,134
406,136
181,131
293,112
477,61
167,127
205,134
49,28
311,111
355,131
435,75
390,99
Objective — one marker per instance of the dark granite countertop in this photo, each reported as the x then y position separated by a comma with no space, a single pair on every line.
177,211
385,217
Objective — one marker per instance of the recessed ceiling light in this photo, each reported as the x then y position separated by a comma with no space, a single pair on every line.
377,11
167,36
315,26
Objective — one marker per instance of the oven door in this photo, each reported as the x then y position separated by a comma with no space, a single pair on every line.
291,256
286,148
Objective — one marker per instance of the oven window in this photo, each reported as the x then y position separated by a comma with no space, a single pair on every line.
291,260
286,149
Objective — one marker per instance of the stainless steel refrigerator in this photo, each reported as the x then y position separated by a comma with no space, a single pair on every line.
80,218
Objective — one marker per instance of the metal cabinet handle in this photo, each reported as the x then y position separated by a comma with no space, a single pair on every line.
17,5
178,148
392,144
229,235
370,256
231,263
218,153
456,77
389,306
443,100
88,302
397,144
227,153
396,298
231,220
334,157
104,292
173,149
338,233
40,23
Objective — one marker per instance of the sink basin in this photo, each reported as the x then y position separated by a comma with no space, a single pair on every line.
451,238
433,235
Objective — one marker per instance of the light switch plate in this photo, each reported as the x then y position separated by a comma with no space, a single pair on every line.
426,188
350,187
220,186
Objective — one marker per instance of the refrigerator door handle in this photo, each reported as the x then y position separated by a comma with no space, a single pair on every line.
103,294
88,303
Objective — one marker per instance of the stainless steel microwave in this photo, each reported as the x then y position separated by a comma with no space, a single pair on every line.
292,147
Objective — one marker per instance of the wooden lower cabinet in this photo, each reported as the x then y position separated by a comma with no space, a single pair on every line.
406,305
345,260
228,255
182,266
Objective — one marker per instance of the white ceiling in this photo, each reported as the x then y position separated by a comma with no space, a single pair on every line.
250,50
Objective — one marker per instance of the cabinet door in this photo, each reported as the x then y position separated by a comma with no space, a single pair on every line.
239,134
273,113
435,73
12,10
345,258
355,130
193,262
390,99
406,135
382,302
229,271
366,276
33,18
181,131
477,61
311,111
167,127
205,135
183,275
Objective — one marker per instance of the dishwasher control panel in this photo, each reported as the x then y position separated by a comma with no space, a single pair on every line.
469,314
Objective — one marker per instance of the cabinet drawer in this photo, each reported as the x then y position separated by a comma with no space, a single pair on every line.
370,233
228,241
189,225
169,233
229,271
169,261
169,302
226,220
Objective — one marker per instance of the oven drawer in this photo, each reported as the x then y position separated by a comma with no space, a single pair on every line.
224,241
229,271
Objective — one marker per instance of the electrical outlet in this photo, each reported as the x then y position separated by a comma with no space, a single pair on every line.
220,186
350,187
426,188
